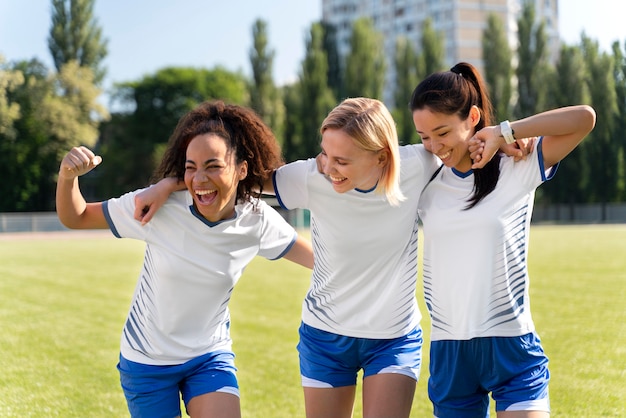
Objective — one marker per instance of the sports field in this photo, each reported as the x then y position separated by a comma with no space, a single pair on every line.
64,297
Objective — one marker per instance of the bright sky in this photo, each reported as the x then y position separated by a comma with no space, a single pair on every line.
146,35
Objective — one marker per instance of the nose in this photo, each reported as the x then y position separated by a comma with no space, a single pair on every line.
435,146
200,176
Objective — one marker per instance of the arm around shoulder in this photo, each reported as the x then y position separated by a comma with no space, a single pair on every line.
301,253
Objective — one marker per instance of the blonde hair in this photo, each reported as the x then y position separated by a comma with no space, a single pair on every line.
369,123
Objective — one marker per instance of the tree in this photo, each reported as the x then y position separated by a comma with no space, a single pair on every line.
498,70
76,36
335,65
568,87
532,67
365,63
9,110
600,148
264,96
133,142
406,65
316,97
432,51
50,121
620,124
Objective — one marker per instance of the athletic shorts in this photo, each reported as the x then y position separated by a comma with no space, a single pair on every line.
153,391
331,360
463,373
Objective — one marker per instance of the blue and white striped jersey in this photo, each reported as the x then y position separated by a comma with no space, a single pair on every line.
475,261
364,279
180,307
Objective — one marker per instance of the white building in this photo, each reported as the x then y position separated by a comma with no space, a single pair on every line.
461,22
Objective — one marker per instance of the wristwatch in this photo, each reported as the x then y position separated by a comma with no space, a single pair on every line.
506,132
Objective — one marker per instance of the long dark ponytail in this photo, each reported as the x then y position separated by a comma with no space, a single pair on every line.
455,92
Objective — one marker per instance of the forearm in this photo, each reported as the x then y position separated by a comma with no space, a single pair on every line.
572,120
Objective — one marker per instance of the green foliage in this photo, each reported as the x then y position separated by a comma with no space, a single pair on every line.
599,150
532,67
9,110
497,57
61,314
568,87
406,65
335,74
134,140
265,98
76,36
431,56
365,63
315,97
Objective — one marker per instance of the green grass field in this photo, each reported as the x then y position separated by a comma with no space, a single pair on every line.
63,302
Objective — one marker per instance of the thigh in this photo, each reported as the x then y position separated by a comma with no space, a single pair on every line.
329,402
389,395
214,405
150,391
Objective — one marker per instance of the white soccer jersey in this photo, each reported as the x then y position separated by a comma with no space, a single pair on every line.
363,282
180,307
475,273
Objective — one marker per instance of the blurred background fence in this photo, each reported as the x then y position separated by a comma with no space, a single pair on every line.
299,218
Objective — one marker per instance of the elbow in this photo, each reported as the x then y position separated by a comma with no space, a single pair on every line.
68,221
588,117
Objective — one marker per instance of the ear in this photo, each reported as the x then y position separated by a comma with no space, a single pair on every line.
243,170
474,115
383,157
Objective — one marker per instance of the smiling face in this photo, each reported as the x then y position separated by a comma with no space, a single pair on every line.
347,165
212,176
447,136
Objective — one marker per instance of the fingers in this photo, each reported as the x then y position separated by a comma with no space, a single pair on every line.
148,213
476,148
78,161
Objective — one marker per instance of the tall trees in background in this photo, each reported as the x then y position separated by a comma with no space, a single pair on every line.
431,56
76,36
406,64
365,63
58,108
133,142
315,98
532,63
601,149
44,112
498,72
264,96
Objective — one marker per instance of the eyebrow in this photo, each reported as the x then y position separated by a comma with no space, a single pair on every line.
209,161
437,128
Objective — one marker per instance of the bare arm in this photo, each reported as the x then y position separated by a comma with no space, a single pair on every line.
562,130
148,201
301,253
73,211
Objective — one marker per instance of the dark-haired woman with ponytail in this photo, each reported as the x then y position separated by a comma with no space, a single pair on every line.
483,339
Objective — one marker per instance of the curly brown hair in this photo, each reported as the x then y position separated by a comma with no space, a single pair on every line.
244,132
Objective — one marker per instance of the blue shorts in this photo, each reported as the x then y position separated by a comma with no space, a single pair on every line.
462,373
331,360
154,391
